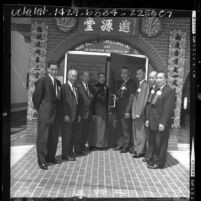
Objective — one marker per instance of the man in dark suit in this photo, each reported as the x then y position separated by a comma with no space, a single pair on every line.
149,139
85,98
46,100
71,118
159,120
125,93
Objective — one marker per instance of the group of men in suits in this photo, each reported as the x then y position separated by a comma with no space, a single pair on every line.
144,116
61,109
143,110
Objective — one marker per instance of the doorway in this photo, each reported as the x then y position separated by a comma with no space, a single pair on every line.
110,64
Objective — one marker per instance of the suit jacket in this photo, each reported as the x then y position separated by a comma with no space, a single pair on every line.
69,104
150,97
125,95
100,96
45,100
161,111
140,100
84,101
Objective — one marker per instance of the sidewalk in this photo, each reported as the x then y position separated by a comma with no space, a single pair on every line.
99,174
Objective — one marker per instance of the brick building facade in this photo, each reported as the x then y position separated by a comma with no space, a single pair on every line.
156,49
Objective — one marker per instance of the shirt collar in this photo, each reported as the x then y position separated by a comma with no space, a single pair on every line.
70,84
141,82
162,86
153,86
126,80
84,83
52,78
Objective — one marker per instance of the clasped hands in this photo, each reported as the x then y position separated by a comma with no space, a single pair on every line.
67,119
161,127
127,116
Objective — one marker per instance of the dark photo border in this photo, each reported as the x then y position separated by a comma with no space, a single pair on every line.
9,10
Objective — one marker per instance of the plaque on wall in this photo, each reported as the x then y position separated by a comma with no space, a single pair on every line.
66,24
150,26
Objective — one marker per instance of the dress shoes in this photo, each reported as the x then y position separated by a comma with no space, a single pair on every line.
70,158
138,155
73,154
117,148
43,166
77,153
132,152
154,166
86,149
124,151
146,160
54,161
84,153
80,153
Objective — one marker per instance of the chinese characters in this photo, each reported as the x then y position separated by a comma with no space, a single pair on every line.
108,25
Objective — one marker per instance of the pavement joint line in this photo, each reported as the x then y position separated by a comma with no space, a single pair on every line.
97,176
111,172
125,175
175,176
67,187
116,167
74,193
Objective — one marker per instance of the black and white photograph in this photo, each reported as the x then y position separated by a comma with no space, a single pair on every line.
100,103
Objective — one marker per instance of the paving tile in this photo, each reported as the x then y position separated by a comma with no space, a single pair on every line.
98,174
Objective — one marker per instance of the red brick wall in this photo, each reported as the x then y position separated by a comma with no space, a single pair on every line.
157,49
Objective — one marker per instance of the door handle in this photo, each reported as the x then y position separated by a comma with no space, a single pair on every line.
114,101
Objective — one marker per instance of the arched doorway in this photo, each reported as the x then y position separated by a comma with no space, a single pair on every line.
136,42
100,46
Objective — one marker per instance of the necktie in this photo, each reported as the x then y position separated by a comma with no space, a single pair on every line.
150,95
87,89
75,94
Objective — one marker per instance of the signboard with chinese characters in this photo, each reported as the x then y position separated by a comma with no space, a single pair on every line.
109,25
106,46
37,62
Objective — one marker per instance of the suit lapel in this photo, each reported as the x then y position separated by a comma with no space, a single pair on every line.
142,84
50,80
151,95
51,84
157,96
83,88
69,88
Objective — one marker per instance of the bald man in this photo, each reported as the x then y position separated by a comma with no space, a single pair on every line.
149,140
71,117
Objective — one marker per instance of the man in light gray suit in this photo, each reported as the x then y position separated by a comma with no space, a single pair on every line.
138,116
